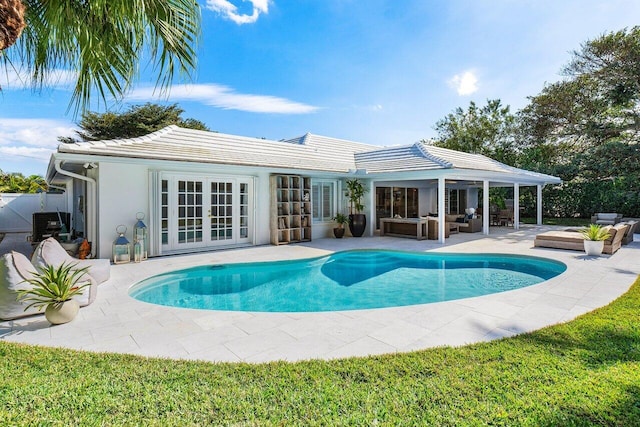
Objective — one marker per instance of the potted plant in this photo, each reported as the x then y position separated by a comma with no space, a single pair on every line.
340,219
54,288
357,220
594,236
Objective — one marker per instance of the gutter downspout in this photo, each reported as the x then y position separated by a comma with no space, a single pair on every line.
91,233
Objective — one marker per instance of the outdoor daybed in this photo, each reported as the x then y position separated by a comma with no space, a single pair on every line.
574,241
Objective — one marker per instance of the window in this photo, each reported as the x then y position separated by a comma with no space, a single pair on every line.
457,201
323,196
391,201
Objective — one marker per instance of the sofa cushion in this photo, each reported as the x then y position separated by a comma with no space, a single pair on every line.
561,236
607,216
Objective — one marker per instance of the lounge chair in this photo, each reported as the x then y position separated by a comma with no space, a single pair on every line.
50,252
573,240
15,270
628,236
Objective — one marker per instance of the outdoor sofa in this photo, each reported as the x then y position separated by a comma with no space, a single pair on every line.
573,240
463,223
606,218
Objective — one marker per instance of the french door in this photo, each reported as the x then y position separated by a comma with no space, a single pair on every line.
200,212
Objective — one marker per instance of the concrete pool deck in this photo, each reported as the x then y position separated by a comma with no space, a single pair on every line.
116,322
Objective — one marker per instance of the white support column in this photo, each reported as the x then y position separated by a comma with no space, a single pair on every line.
516,206
441,222
539,204
371,222
486,209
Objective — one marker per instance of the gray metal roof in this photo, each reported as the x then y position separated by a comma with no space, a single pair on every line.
308,152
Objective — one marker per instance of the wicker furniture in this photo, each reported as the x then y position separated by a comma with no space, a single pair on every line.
573,240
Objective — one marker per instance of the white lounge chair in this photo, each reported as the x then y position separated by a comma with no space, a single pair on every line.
15,270
50,252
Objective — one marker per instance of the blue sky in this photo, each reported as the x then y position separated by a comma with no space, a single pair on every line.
375,71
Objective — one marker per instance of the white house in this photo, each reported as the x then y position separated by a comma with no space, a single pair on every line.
202,190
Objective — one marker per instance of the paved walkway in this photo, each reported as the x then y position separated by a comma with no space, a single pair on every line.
117,323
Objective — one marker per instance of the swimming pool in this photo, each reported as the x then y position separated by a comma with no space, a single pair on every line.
349,280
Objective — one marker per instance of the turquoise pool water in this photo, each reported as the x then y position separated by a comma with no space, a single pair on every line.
350,280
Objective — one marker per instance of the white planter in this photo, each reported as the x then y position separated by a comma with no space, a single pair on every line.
594,247
58,314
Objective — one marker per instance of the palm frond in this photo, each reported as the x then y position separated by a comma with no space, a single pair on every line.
105,42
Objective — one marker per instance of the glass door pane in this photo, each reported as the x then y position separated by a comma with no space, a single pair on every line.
244,210
412,203
221,210
399,202
189,211
383,204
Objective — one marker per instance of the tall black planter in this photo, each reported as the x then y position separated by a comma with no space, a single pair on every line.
357,224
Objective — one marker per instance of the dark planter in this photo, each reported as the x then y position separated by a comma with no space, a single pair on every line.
357,224
338,232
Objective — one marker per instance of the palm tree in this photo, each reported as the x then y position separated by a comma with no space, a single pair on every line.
103,42
18,183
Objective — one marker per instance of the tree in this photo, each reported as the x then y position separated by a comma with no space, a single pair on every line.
137,121
102,41
488,130
585,128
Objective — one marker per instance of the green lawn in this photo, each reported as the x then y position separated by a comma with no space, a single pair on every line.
586,372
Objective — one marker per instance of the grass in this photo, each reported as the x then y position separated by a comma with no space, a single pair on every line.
582,373
571,222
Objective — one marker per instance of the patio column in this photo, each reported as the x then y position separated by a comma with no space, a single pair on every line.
371,223
516,206
441,223
485,207
539,204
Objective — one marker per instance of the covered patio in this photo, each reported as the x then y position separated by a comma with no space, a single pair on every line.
437,182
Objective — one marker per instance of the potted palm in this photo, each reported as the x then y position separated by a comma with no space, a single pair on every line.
340,219
54,288
357,220
594,236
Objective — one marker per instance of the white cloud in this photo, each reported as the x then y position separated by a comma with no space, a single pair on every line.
230,10
465,83
11,78
226,98
31,138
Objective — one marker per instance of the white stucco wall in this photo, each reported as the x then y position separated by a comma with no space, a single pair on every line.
123,191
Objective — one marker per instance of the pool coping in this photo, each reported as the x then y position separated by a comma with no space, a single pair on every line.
118,323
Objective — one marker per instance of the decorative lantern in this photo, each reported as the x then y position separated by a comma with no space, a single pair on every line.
121,247
140,239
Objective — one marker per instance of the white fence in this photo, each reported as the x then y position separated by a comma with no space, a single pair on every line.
16,210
